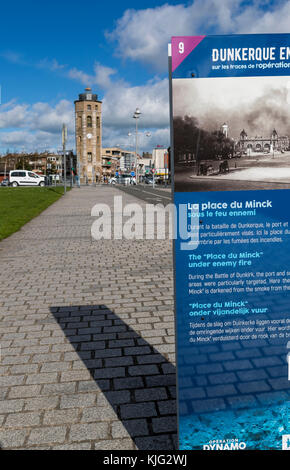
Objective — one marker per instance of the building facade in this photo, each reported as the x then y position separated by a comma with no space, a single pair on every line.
117,159
262,144
88,131
161,163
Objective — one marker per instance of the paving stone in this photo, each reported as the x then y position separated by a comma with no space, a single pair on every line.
56,417
77,375
74,446
25,391
98,413
254,386
47,435
167,407
221,390
119,397
80,400
135,427
109,372
10,380
10,406
115,444
163,442
41,378
89,431
128,383
10,439
18,420
55,367
57,388
41,403
149,394
139,410
165,424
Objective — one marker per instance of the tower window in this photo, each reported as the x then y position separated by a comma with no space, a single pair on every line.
89,157
89,121
89,107
98,121
96,107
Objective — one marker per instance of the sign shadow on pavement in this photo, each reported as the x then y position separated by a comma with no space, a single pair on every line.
137,381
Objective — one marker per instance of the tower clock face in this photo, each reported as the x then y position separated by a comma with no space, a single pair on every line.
89,136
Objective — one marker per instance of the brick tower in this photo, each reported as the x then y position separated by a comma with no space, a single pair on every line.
88,128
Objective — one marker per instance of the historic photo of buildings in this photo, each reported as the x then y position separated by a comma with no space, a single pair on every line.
231,133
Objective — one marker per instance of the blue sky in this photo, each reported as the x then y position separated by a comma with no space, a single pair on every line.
49,51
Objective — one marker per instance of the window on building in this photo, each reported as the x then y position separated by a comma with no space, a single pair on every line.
89,107
96,107
98,121
89,157
98,139
89,121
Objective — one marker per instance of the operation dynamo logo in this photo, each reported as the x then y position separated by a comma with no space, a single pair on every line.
225,444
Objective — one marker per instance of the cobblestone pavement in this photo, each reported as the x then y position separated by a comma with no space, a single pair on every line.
86,333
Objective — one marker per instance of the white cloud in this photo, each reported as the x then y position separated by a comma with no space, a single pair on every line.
13,115
41,116
50,64
28,141
119,138
121,100
35,126
143,35
13,57
44,117
39,124
102,76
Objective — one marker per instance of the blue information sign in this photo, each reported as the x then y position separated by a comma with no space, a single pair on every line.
231,153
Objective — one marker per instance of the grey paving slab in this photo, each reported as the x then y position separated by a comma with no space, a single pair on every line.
86,334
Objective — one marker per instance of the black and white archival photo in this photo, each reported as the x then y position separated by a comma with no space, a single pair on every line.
231,133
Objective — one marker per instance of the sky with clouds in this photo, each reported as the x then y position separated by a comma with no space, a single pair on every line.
50,51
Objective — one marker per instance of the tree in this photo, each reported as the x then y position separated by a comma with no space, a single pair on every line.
190,139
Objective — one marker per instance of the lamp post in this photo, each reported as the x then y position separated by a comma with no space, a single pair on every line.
136,116
64,140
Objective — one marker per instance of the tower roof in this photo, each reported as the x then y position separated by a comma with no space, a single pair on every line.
88,95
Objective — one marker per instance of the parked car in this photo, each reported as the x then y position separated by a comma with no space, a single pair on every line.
123,179
113,180
5,182
25,178
148,180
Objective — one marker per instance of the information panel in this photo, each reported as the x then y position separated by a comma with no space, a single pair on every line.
231,147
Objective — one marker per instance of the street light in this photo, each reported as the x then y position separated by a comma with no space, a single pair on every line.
64,140
136,116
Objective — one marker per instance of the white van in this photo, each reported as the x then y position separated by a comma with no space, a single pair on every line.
25,178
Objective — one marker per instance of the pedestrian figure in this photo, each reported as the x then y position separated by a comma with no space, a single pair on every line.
224,167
